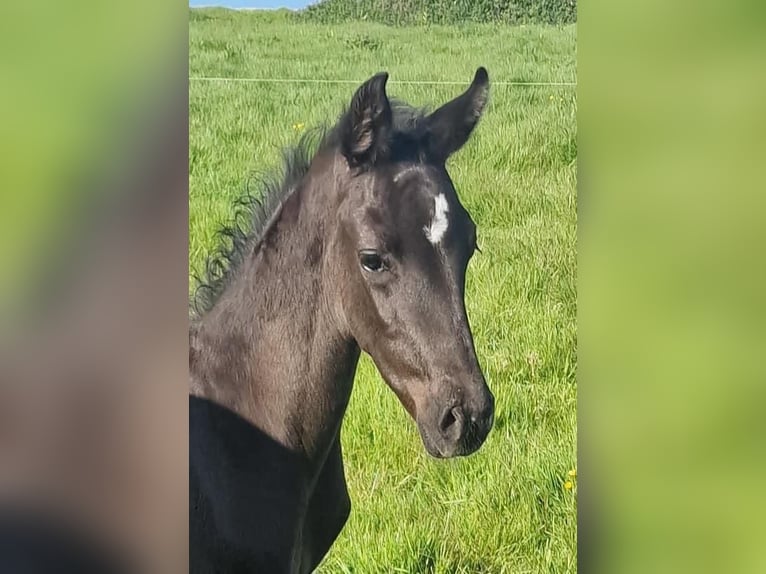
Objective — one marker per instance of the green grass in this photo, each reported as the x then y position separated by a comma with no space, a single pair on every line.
419,12
505,509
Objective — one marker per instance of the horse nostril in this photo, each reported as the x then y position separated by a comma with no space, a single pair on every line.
448,419
451,422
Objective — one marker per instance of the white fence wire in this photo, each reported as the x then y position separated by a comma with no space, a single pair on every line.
357,82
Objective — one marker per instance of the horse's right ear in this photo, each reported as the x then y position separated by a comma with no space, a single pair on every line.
365,127
451,125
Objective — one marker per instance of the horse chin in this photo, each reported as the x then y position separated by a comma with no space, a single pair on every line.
434,449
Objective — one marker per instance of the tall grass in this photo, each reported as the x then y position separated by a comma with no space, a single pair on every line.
512,506
406,12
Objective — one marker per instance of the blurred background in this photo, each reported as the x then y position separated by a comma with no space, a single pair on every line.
670,286
93,313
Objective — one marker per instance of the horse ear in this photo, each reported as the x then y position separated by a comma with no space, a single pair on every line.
450,125
366,125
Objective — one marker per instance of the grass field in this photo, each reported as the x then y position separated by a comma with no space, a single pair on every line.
512,506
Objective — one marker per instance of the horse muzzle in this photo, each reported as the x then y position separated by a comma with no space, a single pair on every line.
458,429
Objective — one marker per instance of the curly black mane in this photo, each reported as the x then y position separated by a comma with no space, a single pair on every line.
260,204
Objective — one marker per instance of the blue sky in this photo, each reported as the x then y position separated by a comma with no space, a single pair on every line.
294,4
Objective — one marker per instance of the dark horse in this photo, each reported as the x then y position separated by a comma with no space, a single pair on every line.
363,246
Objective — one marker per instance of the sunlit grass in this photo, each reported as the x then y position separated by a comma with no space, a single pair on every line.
512,506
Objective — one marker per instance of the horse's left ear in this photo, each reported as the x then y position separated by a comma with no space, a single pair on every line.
365,127
450,126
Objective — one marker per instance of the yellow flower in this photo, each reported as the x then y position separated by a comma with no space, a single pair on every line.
298,127
572,473
568,485
551,97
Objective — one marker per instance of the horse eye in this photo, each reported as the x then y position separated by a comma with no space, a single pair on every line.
371,261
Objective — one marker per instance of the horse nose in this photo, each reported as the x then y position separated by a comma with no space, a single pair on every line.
486,416
452,423
479,424
466,426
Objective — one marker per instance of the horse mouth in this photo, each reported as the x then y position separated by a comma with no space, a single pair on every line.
443,448
434,449
436,452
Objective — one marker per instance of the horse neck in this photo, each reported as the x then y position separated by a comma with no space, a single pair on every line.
271,349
